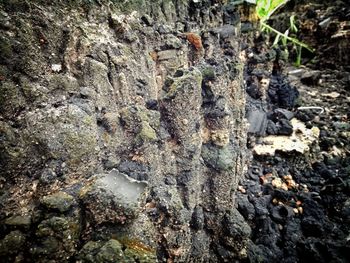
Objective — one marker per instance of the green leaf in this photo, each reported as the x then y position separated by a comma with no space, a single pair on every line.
298,60
264,29
293,27
262,14
265,8
277,38
285,37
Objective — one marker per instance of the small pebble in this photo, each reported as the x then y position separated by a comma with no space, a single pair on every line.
300,210
241,189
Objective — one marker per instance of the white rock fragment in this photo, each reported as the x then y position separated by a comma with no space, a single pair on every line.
296,72
332,95
56,67
324,23
127,189
298,141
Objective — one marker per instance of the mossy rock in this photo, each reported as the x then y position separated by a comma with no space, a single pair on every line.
88,253
208,74
60,201
218,158
78,145
132,255
48,246
129,6
113,251
110,252
57,238
13,153
19,221
136,251
182,80
34,92
12,243
63,83
5,48
11,99
147,133
66,133
52,225
142,122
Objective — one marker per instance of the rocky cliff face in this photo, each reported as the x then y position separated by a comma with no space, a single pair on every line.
122,131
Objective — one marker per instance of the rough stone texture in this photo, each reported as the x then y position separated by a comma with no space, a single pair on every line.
87,87
12,243
56,238
59,201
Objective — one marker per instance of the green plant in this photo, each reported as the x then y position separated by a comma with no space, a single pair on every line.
264,10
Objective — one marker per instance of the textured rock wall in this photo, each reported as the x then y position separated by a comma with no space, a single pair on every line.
150,89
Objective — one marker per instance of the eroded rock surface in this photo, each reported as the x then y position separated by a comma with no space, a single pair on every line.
152,89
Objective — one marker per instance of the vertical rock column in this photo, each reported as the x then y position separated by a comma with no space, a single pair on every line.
181,113
181,117
203,151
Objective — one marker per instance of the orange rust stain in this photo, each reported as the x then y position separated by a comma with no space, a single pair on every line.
136,245
153,55
195,40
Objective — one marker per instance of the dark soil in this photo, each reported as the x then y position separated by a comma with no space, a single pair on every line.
298,204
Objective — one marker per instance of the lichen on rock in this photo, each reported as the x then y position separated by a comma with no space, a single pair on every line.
60,201
219,158
103,107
